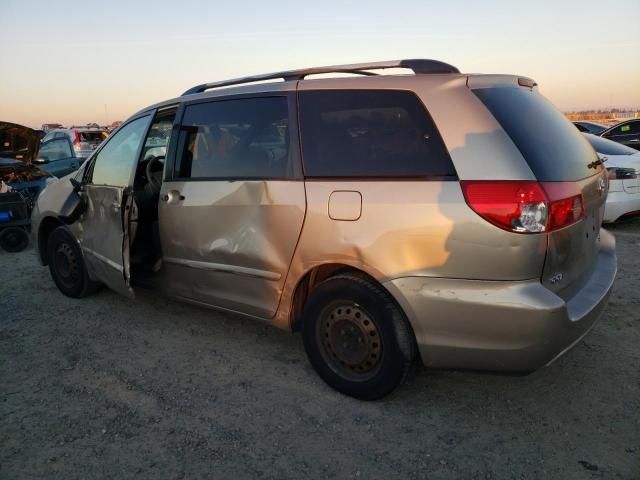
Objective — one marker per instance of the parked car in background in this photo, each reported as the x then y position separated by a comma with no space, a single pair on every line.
20,183
623,170
57,156
47,127
18,142
83,139
356,210
626,133
590,127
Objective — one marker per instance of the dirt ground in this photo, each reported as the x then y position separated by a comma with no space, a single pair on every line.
107,387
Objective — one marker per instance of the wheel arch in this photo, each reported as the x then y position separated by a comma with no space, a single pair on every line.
316,275
46,226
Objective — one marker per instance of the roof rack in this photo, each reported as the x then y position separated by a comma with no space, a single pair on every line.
417,65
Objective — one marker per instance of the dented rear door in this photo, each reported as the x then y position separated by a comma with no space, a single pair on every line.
232,211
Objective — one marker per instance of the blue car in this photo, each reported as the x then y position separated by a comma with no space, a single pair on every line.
55,156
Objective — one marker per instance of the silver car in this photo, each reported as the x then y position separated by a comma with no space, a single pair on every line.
444,216
83,139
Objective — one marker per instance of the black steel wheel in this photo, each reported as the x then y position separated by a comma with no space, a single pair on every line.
349,340
356,337
67,265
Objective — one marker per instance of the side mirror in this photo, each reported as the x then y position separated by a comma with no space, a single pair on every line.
75,204
41,160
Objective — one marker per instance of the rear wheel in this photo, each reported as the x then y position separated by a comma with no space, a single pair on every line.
67,265
356,337
14,239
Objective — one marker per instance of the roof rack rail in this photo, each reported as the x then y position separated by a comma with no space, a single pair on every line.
417,65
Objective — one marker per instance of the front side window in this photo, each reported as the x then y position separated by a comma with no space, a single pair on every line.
115,162
56,149
370,133
242,138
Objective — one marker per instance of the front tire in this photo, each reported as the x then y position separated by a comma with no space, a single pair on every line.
356,337
67,265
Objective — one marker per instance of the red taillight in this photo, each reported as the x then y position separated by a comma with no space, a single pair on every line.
76,140
525,206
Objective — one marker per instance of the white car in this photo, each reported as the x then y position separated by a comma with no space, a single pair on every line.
623,166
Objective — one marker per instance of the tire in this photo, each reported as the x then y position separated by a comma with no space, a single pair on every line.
14,239
356,337
66,265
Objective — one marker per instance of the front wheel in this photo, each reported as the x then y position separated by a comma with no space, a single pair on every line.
67,265
356,337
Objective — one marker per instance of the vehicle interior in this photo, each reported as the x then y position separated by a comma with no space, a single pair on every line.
144,233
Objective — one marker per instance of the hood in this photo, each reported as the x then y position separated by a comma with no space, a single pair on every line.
18,142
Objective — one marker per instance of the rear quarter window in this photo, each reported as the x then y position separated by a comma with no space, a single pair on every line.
370,134
552,146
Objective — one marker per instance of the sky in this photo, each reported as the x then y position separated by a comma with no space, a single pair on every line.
74,62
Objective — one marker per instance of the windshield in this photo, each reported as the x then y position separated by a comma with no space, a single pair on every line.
552,146
608,147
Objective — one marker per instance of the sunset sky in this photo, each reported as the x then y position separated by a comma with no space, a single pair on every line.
77,62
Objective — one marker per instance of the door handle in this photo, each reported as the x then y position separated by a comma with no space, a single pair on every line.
172,196
115,206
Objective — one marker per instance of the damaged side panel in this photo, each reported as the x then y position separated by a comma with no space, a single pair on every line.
103,236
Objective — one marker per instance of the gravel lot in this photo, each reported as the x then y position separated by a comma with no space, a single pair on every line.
107,387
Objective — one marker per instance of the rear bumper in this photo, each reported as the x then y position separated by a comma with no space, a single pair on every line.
494,325
619,204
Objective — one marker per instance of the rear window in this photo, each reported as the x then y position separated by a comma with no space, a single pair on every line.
370,134
609,147
92,137
554,149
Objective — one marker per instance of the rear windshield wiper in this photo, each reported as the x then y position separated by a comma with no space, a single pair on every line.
598,162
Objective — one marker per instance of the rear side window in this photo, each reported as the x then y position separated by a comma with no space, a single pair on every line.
370,134
242,138
552,146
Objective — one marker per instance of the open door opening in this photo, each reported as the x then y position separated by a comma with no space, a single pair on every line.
145,250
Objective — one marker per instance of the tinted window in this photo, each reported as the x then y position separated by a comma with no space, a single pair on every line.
551,145
114,164
626,128
56,149
245,138
365,133
608,147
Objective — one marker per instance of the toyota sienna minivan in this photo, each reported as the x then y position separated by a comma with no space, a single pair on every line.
449,217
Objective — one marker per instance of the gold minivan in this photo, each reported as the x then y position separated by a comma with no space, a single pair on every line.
455,217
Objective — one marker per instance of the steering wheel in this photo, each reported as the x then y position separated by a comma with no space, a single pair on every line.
153,171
